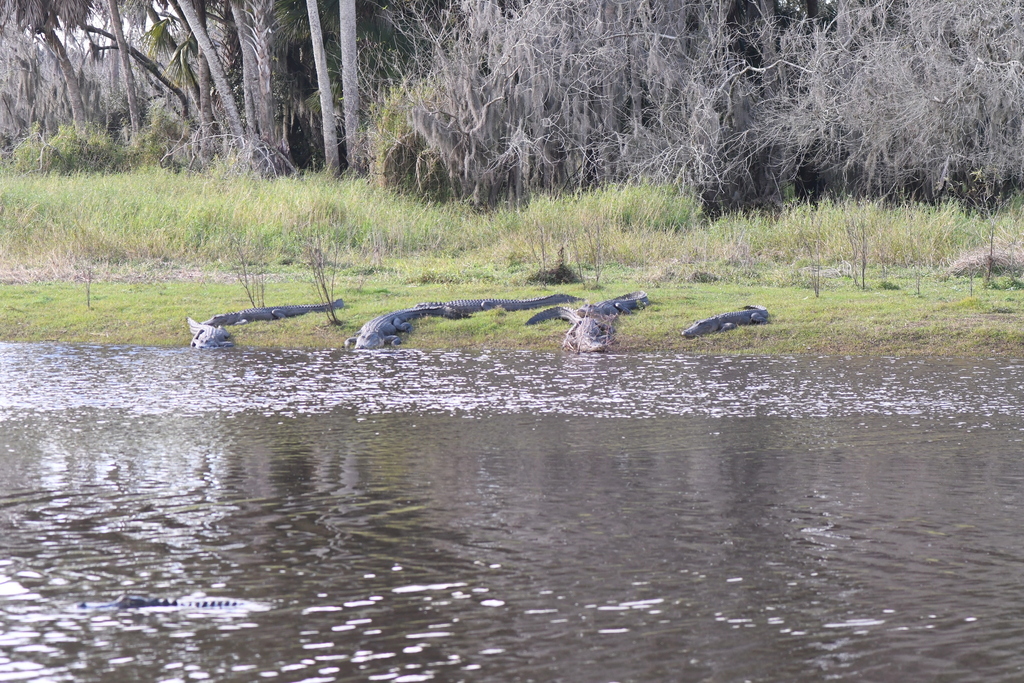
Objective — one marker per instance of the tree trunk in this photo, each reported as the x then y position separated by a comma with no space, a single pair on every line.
220,79
261,23
126,68
324,85
350,81
243,29
70,78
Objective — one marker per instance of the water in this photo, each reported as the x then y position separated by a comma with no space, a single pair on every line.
406,516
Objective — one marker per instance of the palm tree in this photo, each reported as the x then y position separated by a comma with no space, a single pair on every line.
260,27
324,85
349,78
126,68
220,79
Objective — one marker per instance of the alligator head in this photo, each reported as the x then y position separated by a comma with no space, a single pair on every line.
703,327
373,340
208,337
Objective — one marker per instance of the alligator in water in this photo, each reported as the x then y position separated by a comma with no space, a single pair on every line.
208,337
141,601
750,315
383,330
592,328
269,313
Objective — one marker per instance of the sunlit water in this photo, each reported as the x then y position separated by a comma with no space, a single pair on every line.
407,516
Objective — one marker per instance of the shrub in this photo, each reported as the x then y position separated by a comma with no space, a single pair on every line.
69,151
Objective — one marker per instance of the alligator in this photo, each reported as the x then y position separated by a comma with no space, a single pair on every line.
469,306
592,328
142,601
588,333
625,304
750,315
269,313
383,330
212,335
208,337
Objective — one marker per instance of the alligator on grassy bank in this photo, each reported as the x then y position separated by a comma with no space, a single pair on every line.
750,315
469,306
592,329
142,601
269,313
212,335
384,329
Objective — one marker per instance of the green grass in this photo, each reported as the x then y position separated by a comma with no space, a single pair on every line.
160,216
160,246
944,320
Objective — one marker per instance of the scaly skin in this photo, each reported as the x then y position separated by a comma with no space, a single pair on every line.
383,330
624,304
208,337
473,305
268,313
141,601
592,330
750,315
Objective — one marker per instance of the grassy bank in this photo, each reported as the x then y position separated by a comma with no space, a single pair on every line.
124,259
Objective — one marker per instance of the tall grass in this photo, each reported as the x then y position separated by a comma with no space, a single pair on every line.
157,215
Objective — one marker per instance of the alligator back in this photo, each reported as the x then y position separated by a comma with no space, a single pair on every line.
626,303
610,308
750,315
145,601
270,313
474,305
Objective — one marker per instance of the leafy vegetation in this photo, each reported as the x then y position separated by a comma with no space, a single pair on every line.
746,103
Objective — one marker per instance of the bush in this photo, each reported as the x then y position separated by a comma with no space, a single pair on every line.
400,159
69,151
159,139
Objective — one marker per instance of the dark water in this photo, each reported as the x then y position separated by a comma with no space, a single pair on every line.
405,516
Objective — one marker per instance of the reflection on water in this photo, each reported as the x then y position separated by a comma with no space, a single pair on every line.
414,516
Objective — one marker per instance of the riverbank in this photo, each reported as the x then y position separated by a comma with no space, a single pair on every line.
123,259
944,320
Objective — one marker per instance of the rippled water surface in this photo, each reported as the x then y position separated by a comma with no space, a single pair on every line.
406,516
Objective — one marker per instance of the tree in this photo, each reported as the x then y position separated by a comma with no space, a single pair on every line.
350,79
220,79
324,85
126,68
262,26
47,19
